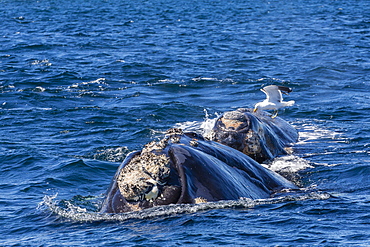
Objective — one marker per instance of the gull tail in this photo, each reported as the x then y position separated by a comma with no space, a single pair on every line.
289,103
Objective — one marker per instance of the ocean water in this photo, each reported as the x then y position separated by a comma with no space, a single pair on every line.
85,82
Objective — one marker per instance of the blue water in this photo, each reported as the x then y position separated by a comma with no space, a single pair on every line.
84,82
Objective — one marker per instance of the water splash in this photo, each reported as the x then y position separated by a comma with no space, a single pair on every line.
72,211
117,154
200,127
288,164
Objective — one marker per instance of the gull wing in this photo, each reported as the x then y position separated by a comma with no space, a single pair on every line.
273,93
284,90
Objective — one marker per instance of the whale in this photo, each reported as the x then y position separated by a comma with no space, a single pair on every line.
189,168
255,134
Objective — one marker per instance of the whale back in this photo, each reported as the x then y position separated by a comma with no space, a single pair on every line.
186,168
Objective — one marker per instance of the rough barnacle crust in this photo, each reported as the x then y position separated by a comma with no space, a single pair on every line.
194,143
149,168
136,178
231,124
133,184
157,166
174,135
234,115
200,200
234,121
151,146
252,143
234,129
174,131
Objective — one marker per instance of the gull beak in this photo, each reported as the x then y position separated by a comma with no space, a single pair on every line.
255,109
275,114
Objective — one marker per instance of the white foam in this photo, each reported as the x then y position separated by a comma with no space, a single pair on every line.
39,89
205,79
200,127
189,126
309,133
117,154
288,164
44,62
77,213
99,81
207,125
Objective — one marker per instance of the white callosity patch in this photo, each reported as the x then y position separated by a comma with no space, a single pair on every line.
139,178
252,141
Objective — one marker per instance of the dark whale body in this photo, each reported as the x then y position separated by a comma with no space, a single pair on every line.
255,134
187,168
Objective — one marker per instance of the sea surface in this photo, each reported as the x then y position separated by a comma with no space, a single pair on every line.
85,82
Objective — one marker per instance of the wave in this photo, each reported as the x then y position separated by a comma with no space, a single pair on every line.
74,211
311,133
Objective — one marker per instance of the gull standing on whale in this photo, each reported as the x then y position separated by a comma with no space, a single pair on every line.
274,100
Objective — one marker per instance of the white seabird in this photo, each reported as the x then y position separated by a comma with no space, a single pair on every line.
274,100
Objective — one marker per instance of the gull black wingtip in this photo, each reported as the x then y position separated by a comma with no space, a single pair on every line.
285,90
